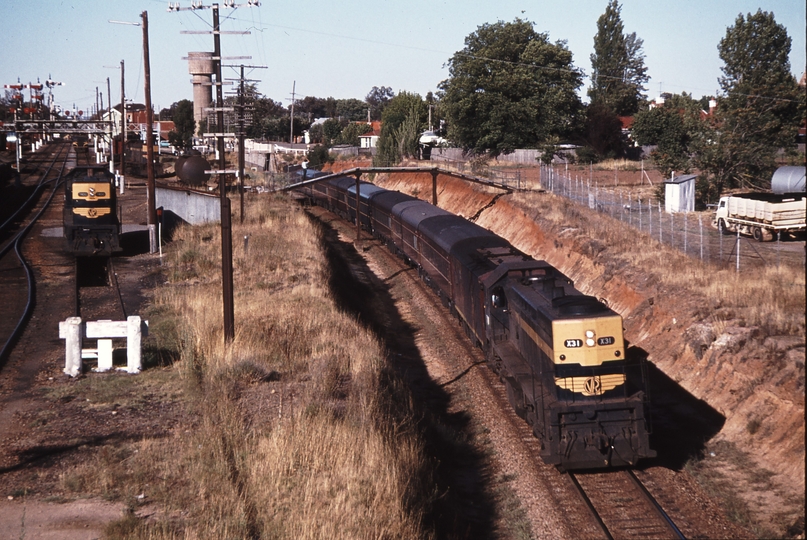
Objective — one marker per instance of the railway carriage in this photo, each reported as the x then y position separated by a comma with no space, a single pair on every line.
560,353
91,226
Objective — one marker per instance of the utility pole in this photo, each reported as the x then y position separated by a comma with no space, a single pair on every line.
123,127
242,128
111,128
226,225
291,120
151,200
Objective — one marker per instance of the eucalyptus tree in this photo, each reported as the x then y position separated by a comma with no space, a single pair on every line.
509,88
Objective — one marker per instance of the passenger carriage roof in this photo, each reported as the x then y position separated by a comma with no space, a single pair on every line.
386,201
366,190
343,182
448,230
413,212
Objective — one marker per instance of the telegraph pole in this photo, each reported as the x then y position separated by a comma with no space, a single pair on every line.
151,200
226,223
242,128
123,127
111,130
291,120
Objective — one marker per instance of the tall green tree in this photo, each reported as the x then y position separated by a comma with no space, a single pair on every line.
509,88
674,129
351,109
618,71
184,124
378,98
760,110
404,118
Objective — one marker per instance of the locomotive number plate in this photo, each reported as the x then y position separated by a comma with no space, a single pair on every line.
573,343
607,340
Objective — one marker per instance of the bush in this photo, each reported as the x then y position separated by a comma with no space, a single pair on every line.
319,156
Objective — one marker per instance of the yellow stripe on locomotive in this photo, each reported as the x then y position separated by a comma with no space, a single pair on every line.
92,212
91,191
591,386
588,342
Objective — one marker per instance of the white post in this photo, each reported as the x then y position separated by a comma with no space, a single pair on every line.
104,355
70,331
133,344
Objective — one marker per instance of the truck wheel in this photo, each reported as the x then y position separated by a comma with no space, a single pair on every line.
721,226
758,236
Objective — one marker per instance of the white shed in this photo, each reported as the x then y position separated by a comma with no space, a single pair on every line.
679,194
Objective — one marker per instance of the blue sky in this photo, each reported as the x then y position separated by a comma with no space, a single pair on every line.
343,49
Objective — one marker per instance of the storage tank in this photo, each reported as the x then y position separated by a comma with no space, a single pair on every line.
192,170
202,67
788,180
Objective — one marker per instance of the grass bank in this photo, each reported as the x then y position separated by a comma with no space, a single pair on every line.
296,430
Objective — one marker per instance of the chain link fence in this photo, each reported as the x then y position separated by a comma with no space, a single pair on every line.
689,232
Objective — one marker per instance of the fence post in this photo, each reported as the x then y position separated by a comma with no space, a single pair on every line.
738,249
649,218
700,226
672,229
686,225
660,225
630,209
70,330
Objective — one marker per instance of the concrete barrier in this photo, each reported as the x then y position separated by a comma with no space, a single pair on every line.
191,206
74,331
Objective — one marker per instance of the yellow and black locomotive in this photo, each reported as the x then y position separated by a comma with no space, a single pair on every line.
91,224
560,353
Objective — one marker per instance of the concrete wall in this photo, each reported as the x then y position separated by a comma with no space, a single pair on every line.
192,206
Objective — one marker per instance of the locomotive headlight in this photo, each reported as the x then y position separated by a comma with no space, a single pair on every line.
590,342
589,333
590,338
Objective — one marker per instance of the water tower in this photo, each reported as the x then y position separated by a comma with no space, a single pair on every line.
201,66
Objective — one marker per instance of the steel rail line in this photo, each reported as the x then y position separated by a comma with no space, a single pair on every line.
645,495
17,243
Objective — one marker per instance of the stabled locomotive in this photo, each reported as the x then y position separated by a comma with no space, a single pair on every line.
91,225
560,353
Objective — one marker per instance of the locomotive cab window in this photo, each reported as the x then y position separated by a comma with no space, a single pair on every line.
497,298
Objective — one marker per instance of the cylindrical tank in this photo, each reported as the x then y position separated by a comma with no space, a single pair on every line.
788,180
201,66
192,170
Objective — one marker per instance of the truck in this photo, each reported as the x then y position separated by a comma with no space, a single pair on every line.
762,215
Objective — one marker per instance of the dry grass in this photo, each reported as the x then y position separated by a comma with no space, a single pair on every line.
771,298
292,432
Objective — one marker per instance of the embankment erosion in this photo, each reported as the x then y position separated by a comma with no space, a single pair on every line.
749,375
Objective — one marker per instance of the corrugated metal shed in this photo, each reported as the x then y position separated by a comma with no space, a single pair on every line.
679,194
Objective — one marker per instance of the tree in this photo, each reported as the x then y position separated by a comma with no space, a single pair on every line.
184,124
663,127
331,129
760,110
350,134
603,133
404,118
377,99
351,109
510,88
618,71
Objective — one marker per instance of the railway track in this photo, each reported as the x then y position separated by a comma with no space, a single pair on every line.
611,505
622,506
16,275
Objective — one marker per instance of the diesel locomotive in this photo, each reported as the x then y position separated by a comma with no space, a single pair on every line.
560,353
91,225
